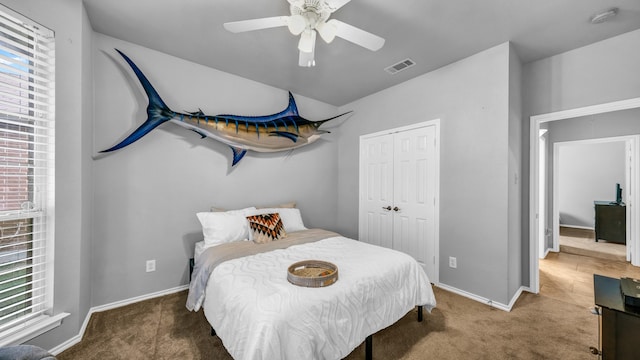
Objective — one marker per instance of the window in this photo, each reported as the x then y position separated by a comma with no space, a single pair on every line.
26,173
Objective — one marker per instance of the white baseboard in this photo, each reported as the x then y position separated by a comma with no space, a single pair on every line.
76,339
515,297
578,227
483,300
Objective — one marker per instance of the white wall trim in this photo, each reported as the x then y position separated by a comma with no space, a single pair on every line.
32,328
76,339
515,297
483,300
434,122
588,110
577,227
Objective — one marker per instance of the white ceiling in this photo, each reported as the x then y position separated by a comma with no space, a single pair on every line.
433,33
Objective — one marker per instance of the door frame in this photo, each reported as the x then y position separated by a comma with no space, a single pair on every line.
542,192
535,121
436,225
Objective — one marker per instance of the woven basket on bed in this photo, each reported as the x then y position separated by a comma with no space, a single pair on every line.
312,273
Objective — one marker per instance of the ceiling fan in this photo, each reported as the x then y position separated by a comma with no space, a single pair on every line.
307,18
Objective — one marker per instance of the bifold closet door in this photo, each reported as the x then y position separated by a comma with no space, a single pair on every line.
376,218
414,195
397,199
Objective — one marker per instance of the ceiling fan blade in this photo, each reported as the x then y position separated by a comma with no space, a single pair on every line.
307,59
336,4
256,24
357,36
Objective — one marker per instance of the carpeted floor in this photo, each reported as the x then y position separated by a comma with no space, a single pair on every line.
538,327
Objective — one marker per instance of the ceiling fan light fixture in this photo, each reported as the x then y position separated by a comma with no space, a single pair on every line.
307,59
307,41
296,24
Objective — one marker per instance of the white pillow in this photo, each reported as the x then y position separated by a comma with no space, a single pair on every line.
291,218
223,227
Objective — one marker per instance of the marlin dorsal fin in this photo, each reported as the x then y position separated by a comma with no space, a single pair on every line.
292,109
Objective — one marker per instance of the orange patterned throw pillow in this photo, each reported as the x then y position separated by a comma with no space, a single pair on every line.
266,227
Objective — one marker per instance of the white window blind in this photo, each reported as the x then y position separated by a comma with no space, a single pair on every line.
26,171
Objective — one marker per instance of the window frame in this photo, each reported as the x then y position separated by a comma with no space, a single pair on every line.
40,208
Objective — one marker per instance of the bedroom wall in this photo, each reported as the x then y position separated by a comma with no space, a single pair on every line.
598,73
73,167
619,123
588,172
147,194
471,97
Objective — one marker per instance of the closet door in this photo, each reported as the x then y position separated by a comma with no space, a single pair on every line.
376,190
414,195
398,174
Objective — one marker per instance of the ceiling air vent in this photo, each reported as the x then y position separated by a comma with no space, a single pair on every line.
402,65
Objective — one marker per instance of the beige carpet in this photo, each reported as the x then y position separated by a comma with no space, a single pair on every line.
537,328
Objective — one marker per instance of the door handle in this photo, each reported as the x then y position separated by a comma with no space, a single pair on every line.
388,208
396,209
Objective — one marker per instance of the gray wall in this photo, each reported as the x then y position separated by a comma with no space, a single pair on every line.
598,73
73,165
471,97
147,194
619,123
588,172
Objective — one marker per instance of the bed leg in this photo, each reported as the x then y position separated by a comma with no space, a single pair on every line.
368,348
420,313
213,331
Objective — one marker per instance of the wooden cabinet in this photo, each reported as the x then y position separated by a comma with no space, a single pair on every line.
620,323
611,221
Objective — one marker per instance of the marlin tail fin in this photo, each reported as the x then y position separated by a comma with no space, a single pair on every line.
157,111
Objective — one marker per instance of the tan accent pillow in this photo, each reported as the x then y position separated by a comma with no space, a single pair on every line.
266,227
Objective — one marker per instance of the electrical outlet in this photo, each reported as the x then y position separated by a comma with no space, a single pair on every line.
151,265
453,262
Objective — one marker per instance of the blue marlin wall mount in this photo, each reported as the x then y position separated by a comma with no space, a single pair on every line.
282,131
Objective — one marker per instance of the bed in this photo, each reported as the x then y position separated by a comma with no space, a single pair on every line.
242,287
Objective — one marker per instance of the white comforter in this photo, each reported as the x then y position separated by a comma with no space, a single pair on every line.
258,314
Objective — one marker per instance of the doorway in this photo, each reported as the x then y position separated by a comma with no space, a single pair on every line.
535,201
586,172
